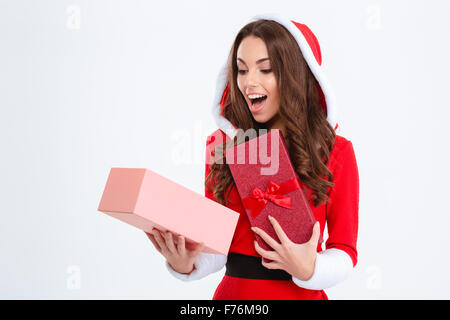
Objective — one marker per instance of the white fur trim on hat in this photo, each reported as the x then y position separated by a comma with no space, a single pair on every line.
227,127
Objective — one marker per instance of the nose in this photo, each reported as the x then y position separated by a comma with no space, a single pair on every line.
252,79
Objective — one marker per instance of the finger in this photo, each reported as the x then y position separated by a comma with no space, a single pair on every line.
279,231
169,242
272,255
271,265
314,240
268,239
152,239
160,240
198,249
181,245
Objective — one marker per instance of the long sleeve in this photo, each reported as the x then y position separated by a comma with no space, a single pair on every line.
332,267
205,264
343,206
338,260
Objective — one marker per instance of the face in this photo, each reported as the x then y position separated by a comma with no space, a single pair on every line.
255,76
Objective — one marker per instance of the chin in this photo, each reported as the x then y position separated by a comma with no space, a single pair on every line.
262,118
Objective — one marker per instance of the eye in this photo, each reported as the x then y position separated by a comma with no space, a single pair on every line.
263,71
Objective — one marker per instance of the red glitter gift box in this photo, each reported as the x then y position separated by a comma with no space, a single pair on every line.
268,185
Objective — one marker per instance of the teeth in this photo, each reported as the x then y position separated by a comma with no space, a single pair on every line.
254,96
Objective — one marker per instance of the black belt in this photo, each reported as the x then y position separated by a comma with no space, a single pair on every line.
250,267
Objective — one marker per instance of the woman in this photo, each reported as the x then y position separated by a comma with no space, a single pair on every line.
273,80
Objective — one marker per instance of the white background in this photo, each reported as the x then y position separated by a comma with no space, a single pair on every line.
90,85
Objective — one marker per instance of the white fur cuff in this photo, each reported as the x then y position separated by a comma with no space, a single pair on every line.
205,264
332,266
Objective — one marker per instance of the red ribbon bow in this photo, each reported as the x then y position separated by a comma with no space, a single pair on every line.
274,192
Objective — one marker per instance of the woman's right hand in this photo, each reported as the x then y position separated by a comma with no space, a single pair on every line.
179,258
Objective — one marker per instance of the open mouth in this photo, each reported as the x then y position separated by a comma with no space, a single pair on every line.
258,103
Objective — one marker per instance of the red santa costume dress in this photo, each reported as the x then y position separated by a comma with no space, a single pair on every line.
245,277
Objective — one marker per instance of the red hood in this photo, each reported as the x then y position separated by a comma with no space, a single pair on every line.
309,45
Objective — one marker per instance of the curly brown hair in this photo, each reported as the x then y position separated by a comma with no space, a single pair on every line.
309,135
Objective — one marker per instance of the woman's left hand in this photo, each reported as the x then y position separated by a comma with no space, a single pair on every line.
296,259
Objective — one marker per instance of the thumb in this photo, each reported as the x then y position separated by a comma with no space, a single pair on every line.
315,234
199,249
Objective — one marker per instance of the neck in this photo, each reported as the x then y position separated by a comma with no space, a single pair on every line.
276,123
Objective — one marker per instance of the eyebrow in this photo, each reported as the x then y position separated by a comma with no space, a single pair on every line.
257,62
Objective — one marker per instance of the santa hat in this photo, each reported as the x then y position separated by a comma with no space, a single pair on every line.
310,49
